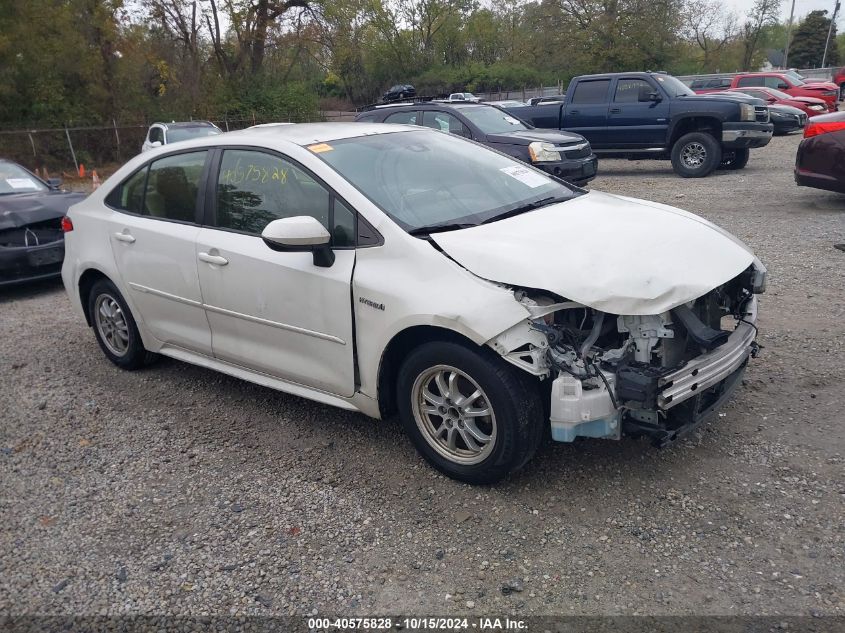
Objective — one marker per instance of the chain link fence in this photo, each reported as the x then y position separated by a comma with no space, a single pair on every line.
64,149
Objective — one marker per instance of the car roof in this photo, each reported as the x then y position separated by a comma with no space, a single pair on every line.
637,73
430,105
310,133
179,124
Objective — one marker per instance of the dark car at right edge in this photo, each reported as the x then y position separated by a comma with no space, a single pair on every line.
820,162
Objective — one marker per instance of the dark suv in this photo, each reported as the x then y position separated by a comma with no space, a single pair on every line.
399,91
562,154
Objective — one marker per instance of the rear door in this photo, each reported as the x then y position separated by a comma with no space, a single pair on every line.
277,312
153,232
635,120
586,112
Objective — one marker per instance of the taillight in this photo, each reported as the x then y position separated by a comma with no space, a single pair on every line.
815,128
67,224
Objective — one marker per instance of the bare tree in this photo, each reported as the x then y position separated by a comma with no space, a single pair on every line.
711,26
764,13
250,22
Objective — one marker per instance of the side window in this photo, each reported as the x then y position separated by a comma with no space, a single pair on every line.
369,118
777,83
591,91
697,84
156,134
172,187
403,117
254,188
632,91
444,122
129,194
751,81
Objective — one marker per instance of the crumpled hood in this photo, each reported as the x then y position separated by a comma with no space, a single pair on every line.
524,137
20,209
614,254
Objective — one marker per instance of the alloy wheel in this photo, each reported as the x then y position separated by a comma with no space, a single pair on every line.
454,414
111,324
693,155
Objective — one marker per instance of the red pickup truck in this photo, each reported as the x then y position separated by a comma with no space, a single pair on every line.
839,80
790,83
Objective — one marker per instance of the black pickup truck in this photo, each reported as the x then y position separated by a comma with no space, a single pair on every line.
654,115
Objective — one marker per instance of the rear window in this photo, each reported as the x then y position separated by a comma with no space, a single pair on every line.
594,91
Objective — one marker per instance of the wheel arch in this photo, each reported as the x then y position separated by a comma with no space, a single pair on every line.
399,346
86,281
708,124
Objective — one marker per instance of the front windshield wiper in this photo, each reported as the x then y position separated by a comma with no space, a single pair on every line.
440,228
524,208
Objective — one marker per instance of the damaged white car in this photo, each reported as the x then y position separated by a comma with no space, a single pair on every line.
386,268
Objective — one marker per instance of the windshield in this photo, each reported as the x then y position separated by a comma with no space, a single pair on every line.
777,94
16,179
176,134
673,86
492,120
799,79
426,178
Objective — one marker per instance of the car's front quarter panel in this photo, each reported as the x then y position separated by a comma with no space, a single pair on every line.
407,282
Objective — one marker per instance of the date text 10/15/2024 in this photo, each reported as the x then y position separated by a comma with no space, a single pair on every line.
417,624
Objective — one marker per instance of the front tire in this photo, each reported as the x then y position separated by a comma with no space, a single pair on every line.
115,328
737,159
696,155
469,414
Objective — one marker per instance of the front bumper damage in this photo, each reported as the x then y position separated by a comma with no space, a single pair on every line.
669,373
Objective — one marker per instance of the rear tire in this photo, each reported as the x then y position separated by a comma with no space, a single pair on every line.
470,415
737,160
115,328
696,155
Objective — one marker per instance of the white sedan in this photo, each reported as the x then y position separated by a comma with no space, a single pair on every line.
385,268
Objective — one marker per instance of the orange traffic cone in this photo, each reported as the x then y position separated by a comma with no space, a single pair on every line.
81,170
95,179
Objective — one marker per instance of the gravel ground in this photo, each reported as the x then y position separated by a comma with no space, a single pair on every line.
179,490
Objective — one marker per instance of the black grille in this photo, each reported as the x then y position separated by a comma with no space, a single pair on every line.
583,152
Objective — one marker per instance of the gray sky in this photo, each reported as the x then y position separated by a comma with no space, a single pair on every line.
802,8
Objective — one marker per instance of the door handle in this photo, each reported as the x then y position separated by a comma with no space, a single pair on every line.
615,110
213,259
574,112
124,237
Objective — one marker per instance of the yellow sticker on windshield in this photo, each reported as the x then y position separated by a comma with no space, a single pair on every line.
320,147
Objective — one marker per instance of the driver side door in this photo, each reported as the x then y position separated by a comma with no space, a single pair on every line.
276,312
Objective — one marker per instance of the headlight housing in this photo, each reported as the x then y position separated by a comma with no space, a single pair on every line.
817,106
542,152
746,112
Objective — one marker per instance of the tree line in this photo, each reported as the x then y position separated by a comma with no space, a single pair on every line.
67,61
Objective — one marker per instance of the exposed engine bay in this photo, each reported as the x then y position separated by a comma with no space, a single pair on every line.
655,375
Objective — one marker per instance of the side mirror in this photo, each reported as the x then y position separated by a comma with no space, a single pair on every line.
300,234
655,97
54,183
155,144
771,99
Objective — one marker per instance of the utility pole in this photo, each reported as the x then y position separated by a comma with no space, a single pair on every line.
788,32
829,32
